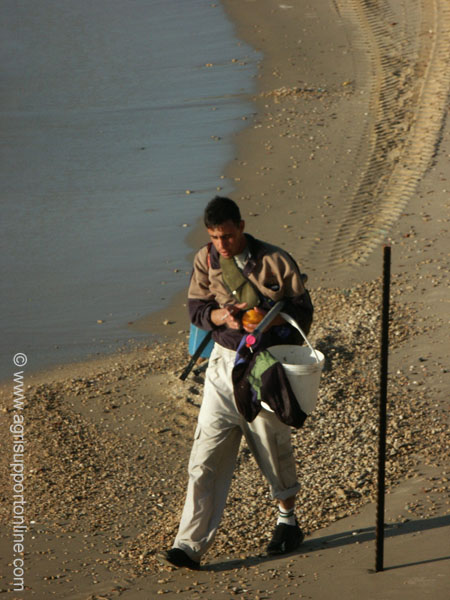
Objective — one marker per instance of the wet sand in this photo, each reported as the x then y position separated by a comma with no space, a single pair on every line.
346,151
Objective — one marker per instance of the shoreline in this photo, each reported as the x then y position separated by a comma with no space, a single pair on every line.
108,167
314,198
259,222
110,439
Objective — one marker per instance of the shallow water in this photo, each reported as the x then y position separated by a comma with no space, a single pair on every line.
109,114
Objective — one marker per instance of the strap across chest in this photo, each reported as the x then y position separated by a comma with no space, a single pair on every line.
241,288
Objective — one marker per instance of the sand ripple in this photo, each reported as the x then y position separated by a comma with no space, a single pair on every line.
410,80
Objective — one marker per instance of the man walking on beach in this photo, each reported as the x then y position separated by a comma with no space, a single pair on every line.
234,273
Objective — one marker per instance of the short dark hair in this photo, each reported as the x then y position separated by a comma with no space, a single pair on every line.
219,210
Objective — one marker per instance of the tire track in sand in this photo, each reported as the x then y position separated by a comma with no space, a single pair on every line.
410,80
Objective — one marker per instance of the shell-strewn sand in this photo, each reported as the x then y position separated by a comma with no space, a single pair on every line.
348,148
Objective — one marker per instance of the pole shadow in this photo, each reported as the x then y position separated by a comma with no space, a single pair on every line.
338,540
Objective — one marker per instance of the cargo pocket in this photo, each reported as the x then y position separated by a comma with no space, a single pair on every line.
194,449
213,365
286,463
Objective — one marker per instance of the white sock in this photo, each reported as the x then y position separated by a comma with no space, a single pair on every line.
286,516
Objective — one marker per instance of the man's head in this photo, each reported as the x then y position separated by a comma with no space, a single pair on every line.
225,226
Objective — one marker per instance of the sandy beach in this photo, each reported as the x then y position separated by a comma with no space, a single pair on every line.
348,149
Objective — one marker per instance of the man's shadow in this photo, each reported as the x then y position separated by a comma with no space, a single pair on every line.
344,538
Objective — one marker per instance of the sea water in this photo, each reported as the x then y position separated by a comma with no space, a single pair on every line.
110,112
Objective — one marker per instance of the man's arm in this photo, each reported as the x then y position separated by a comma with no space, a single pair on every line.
204,310
201,301
301,309
297,299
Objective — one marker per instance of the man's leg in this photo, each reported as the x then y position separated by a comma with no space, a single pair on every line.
286,511
211,467
212,460
288,504
270,442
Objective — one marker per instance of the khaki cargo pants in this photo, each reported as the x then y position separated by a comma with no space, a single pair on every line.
216,444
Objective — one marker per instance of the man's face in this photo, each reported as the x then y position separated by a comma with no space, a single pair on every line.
228,238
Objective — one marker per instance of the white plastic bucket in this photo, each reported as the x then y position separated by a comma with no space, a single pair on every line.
303,366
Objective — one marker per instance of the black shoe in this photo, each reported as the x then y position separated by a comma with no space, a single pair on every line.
178,558
286,538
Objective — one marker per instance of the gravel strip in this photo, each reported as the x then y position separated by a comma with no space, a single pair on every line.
108,455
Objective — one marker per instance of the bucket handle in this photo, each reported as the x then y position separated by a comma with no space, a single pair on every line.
294,323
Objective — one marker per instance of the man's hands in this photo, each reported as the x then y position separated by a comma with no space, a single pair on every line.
250,327
227,315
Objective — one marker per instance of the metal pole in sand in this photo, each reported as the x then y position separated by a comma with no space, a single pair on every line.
382,408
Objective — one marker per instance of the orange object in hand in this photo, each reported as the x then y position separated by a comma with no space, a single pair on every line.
252,317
